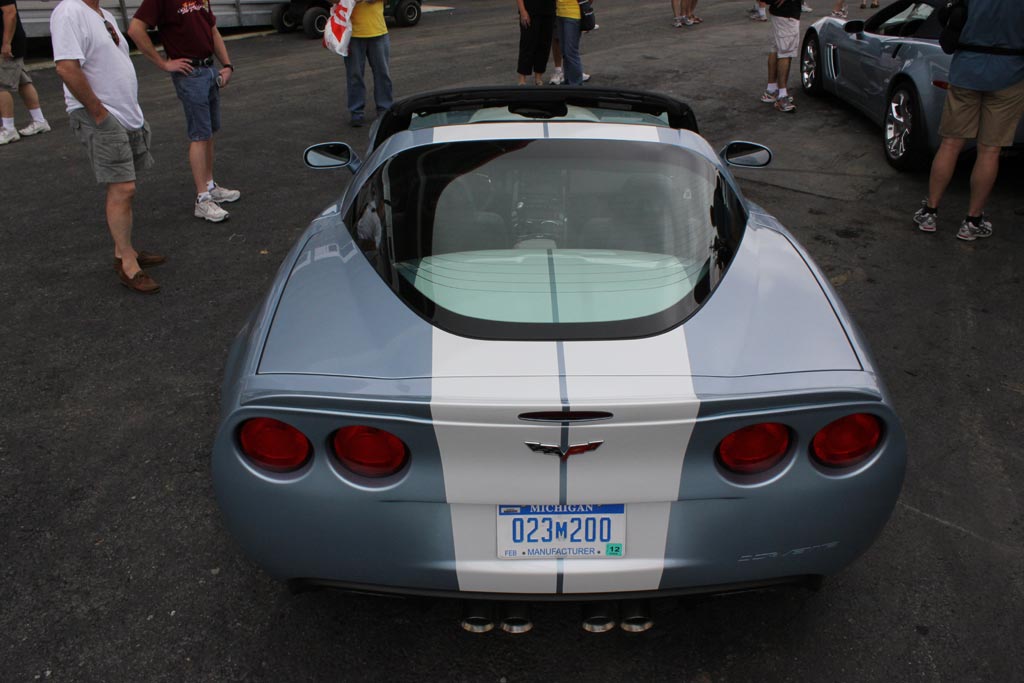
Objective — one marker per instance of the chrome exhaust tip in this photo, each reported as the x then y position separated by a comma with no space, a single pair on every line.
598,617
477,616
635,616
515,617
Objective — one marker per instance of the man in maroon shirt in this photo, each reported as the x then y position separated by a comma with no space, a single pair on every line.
191,40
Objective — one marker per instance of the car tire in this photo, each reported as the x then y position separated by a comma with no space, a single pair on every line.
810,65
903,139
408,13
282,20
314,21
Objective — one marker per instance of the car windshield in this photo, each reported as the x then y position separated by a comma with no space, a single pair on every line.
550,238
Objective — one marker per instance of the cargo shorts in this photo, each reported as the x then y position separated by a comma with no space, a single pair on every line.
13,74
989,117
785,37
116,153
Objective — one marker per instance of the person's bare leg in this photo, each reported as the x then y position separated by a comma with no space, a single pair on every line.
943,166
29,95
677,8
200,159
6,105
782,71
773,68
119,222
983,178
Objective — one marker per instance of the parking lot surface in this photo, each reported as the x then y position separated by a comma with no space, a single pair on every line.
114,564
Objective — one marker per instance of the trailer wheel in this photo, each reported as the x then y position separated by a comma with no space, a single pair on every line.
314,21
282,20
408,13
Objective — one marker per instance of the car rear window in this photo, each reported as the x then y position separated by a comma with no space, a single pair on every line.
549,239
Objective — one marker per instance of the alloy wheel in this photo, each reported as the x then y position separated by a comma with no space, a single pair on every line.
898,125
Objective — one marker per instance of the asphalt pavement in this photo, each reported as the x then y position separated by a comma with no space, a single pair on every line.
114,563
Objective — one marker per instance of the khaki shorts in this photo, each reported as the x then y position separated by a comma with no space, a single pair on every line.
13,74
989,117
785,36
115,152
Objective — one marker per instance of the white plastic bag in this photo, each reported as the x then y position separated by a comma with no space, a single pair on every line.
338,31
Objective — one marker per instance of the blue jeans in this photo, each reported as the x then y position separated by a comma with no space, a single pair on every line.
569,37
377,51
200,96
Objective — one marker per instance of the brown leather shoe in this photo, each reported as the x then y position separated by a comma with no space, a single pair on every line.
141,282
145,258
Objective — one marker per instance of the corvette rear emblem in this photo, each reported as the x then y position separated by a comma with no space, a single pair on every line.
572,449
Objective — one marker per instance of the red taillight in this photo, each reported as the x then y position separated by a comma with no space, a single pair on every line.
755,448
273,444
369,451
944,85
848,440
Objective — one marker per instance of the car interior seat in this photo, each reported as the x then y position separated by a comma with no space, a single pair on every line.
460,225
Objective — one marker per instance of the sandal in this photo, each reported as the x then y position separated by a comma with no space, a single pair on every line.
695,19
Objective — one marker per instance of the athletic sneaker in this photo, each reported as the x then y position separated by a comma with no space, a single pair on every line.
839,14
926,220
757,16
222,194
209,210
805,8
768,96
558,78
677,22
971,231
785,104
8,135
35,127
586,77
687,21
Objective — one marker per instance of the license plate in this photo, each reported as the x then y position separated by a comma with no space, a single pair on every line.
537,532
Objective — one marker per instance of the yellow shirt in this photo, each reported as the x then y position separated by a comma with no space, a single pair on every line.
569,9
368,19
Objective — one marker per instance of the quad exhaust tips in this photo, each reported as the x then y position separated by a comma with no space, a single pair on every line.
481,616
478,616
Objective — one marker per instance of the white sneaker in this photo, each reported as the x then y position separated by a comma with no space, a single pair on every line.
222,194
805,8
35,127
209,210
586,77
8,135
558,78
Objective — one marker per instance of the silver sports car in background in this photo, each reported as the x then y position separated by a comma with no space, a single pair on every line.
541,347
891,68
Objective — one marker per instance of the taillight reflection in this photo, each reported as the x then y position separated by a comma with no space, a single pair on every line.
847,441
369,451
273,444
755,448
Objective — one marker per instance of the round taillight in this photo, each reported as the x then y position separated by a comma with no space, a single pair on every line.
755,448
273,444
369,451
848,440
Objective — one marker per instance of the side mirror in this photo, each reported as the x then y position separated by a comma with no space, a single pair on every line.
331,155
746,154
855,26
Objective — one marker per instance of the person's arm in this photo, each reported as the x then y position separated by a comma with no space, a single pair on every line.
524,16
70,71
221,50
137,32
10,21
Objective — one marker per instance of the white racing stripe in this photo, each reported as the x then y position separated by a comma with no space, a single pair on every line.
477,392
646,383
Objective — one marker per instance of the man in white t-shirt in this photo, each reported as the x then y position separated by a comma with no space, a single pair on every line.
102,97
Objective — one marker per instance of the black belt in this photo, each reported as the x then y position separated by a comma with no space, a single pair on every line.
206,61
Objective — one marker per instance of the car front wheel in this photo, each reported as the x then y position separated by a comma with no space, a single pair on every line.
810,65
902,135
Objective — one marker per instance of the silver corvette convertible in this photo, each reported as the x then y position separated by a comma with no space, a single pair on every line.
891,68
541,347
